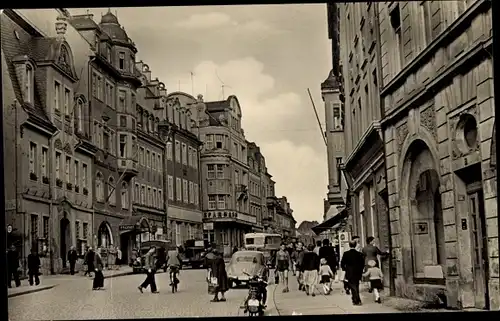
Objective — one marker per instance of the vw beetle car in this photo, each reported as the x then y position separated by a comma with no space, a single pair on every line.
244,265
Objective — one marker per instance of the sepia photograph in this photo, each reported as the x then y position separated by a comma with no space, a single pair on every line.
249,160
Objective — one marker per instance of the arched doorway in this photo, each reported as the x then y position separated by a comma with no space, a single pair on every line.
421,202
104,235
65,238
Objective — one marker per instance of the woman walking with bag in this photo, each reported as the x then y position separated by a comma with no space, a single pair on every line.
218,277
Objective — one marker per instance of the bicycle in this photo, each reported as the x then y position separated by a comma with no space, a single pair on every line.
174,281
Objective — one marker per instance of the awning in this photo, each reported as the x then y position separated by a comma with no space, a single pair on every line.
331,223
134,223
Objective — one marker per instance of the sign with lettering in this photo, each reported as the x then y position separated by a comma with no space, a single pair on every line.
208,226
127,227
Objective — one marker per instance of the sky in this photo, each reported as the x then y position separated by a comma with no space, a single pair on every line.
265,55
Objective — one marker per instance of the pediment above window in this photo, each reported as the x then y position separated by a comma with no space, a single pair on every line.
58,53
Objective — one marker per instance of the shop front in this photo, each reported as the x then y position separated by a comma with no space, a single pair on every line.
133,232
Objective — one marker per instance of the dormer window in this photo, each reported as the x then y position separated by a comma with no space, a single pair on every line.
121,60
29,84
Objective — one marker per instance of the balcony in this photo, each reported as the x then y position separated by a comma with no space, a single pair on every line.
128,168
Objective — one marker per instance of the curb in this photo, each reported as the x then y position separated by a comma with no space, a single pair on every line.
44,288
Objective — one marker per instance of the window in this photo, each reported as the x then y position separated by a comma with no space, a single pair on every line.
185,192
79,115
137,193
191,192
141,155
99,188
190,156
125,196
67,94
121,60
148,158
85,230
169,151
34,228
159,163
153,160
132,64
45,227
77,230
196,194
106,144
178,189
150,196
396,25
211,171
338,162
220,171
219,141
100,88
177,151
76,170
111,191
160,198
184,154
44,160
32,158
221,202
236,178
210,142
195,156
143,194
235,150
121,100
29,84
170,187
67,168
84,176
57,97
211,202
123,145
154,197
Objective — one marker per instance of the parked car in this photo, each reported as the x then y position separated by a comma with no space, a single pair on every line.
244,265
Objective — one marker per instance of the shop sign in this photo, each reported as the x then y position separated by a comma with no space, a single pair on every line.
128,227
208,226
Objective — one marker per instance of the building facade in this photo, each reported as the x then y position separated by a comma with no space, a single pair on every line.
438,121
364,164
257,192
185,216
49,182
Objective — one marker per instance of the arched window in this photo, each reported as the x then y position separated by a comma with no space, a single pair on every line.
125,198
79,115
111,190
99,188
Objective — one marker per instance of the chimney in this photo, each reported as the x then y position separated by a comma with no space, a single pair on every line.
61,26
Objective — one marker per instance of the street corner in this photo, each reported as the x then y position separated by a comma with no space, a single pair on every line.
27,289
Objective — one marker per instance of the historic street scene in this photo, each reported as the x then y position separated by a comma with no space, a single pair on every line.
250,160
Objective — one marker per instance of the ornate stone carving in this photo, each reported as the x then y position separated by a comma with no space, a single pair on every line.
58,144
64,61
401,133
68,150
428,120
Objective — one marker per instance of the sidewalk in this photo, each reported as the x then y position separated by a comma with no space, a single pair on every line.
50,281
296,302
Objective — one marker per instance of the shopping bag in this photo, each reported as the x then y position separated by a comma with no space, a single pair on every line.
342,276
213,281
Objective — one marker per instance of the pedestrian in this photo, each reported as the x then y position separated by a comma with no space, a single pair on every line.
118,258
326,274
372,252
374,273
318,246
89,260
353,264
98,266
72,258
174,262
327,252
218,277
283,264
298,257
310,266
33,267
149,265
12,267
133,257
272,267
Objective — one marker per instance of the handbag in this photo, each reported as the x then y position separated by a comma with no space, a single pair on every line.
213,281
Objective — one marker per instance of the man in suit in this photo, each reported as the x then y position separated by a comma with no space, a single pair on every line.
353,264
149,266
72,258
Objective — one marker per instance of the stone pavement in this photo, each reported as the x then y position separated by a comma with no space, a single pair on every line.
298,303
50,281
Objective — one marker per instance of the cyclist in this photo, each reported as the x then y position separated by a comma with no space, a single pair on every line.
174,262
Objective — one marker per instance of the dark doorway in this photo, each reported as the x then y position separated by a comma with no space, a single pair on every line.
64,234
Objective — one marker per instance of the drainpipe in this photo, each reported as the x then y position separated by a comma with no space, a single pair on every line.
51,200
89,95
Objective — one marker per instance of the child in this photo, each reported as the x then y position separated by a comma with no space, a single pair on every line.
326,275
375,275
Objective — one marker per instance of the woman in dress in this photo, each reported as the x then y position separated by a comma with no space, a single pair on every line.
98,282
219,275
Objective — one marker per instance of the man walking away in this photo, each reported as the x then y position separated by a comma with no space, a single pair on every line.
310,266
33,267
357,239
72,257
353,264
318,246
12,266
327,252
149,265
